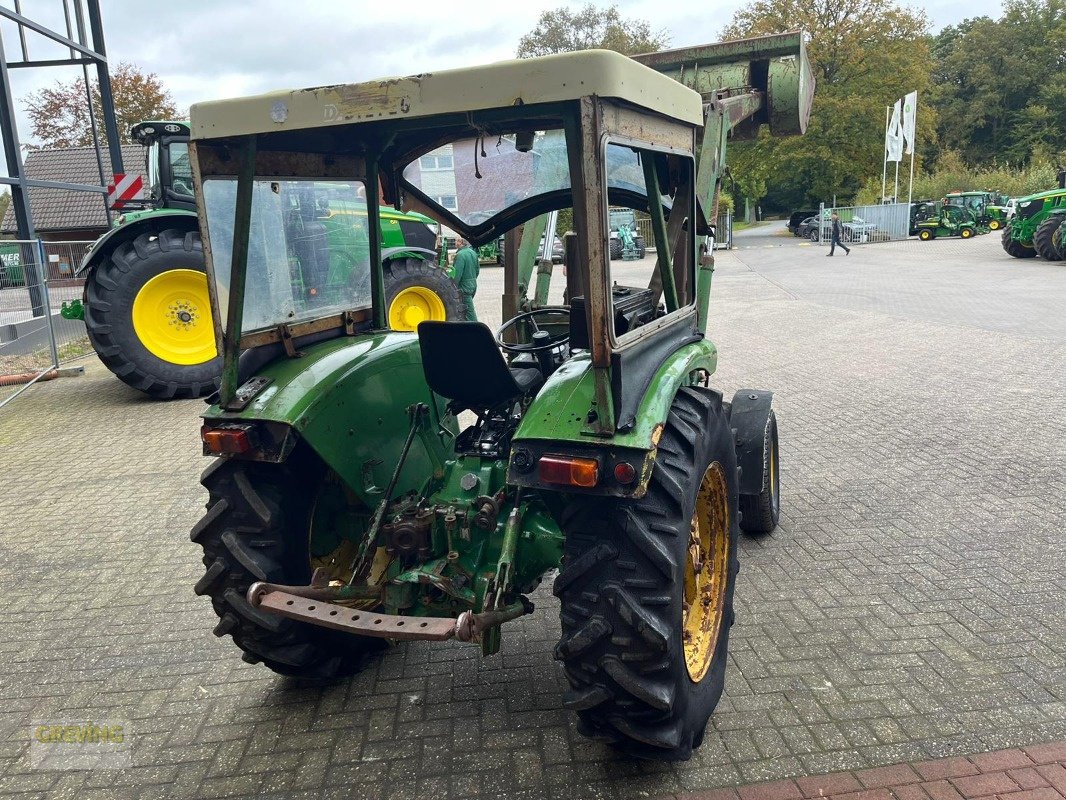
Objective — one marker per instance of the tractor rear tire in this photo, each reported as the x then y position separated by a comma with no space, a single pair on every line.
256,529
615,248
1058,241
640,680
760,513
1014,247
417,290
642,248
1043,237
113,293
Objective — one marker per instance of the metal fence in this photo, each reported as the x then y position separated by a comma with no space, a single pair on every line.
723,232
36,279
865,224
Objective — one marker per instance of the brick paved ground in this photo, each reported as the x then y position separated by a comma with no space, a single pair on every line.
1032,773
910,606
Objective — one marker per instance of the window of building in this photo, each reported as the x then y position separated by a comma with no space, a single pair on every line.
435,163
446,200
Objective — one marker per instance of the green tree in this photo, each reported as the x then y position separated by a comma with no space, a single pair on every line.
562,31
59,115
864,54
5,201
997,83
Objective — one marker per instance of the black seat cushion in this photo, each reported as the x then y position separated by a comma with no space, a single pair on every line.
462,362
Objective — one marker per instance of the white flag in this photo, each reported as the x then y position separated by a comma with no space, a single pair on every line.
910,110
894,136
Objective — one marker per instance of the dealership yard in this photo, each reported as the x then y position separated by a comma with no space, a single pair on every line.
910,606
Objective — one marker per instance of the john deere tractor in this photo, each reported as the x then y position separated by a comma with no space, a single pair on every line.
1032,229
949,221
347,504
145,302
989,209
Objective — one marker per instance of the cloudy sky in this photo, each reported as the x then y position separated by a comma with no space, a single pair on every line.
224,48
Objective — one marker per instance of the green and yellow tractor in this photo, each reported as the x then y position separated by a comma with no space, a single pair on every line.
145,302
1033,228
989,209
348,505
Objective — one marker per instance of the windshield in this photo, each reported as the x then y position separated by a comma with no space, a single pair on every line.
180,169
476,178
308,249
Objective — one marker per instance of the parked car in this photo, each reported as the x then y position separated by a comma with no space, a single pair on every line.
856,229
805,228
797,218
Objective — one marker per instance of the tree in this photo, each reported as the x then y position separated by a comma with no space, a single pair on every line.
563,31
59,115
5,201
997,83
864,55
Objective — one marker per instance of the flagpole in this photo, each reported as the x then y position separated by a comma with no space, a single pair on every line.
895,186
910,189
884,161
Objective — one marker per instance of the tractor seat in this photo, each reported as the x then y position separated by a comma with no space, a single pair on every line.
463,363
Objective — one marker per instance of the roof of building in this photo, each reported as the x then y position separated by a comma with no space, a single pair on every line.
60,209
548,79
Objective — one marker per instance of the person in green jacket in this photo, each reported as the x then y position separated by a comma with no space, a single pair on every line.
464,272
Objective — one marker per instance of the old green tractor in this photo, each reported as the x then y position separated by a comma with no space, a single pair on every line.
347,504
145,302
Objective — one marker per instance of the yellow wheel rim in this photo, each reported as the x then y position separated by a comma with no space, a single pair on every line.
993,225
706,573
172,317
413,305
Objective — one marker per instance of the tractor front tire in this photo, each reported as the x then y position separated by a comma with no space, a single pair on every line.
1043,238
615,248
646,591
642,247
994,224
966,233
257,528
1058,241
1013,247
925,235
416,291
148,315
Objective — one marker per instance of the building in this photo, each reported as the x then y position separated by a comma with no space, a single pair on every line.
60,215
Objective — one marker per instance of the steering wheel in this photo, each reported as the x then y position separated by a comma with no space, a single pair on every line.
541,344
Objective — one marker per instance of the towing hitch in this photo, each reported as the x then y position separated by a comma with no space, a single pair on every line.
312,604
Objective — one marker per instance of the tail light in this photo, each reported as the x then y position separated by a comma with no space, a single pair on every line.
569,471
227,440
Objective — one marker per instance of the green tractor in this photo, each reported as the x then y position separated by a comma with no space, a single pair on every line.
989,209
145,302
347,504
1032,229
950,221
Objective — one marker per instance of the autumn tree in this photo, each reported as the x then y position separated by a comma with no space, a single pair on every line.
562,31
997,84
864,55
59,115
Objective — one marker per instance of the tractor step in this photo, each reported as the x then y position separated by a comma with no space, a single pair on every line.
467,627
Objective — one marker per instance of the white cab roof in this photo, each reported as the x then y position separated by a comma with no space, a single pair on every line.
566,76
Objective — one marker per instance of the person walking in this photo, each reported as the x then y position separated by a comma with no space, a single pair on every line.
834,235
465,270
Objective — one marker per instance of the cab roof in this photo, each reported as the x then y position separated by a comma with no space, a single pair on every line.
547,79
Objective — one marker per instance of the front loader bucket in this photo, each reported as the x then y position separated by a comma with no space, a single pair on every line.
775,66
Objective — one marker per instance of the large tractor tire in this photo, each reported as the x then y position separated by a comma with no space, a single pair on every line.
646,591
416,291
148,315
760,513
1043,237
1014,247
257,528
1058,241
641,245
614,247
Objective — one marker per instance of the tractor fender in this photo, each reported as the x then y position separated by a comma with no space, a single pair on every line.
346,397
390,253
749,415
557,419
103,247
